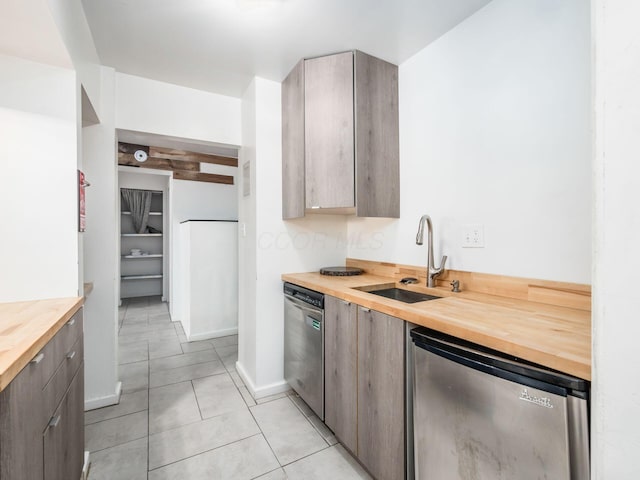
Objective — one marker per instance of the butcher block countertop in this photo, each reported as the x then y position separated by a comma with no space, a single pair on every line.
26,327
554,336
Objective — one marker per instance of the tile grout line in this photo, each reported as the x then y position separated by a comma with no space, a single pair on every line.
193,387
265,437
205,451
274,453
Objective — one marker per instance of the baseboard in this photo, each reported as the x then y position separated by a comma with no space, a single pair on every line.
213,334
106,401
85,466
261,392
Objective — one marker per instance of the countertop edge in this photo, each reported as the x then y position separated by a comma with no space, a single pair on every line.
22,354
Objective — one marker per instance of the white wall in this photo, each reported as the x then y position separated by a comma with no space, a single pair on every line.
197,201
494,130
27,30
74,30
616,403
101,260
247,259
144,105
38,198
272,246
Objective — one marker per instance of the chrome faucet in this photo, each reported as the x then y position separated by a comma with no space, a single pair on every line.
432,271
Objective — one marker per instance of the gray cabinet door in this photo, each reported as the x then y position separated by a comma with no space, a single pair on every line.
21,425
377,139
341,381
293,143
329,132
381,394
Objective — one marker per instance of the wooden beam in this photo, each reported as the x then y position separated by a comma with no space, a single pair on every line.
171,154
131,148
203,177
158,163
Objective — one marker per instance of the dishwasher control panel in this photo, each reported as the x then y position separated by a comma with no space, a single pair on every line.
308,296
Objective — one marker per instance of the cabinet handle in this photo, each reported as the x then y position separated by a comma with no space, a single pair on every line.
71,322
37,359
70,355
313,207
365,310
54,421
344,302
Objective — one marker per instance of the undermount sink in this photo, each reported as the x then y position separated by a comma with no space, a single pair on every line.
406,296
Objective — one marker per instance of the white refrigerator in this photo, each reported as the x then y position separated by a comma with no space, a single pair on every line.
209,278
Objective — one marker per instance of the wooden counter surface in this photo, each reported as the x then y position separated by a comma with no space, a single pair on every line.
554,336
26,327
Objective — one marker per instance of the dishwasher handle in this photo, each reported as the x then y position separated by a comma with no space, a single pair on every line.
476,362
301,304
491,361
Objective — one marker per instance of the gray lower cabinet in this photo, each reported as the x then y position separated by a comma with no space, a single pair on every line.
381,394
365,385
340,370
340,148
21,425
42,412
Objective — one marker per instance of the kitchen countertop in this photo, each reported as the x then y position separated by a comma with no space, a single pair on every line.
26,327
553,336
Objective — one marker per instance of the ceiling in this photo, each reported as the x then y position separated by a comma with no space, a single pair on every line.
220,45
28,30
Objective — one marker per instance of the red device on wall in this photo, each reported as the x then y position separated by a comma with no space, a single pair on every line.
82,221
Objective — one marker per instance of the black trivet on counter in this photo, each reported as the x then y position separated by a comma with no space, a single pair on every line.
341,271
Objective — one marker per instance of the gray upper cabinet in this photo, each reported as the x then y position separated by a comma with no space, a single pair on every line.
340,137
377,138
293,143
328,132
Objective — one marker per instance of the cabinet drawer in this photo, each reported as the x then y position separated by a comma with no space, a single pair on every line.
55,352
63,438
57,386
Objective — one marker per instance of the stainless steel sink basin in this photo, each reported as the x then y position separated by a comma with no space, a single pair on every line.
406,296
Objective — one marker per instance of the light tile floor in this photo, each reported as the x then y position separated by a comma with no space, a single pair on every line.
185,414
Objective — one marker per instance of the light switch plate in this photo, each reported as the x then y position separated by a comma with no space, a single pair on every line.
473,236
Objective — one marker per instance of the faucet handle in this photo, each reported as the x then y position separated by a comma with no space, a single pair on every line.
442,262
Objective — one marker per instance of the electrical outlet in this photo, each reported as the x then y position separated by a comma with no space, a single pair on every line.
243,229
473,236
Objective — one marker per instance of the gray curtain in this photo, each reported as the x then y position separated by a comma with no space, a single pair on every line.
139,203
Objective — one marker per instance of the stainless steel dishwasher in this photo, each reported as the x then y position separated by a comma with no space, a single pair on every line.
481,415
304,344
